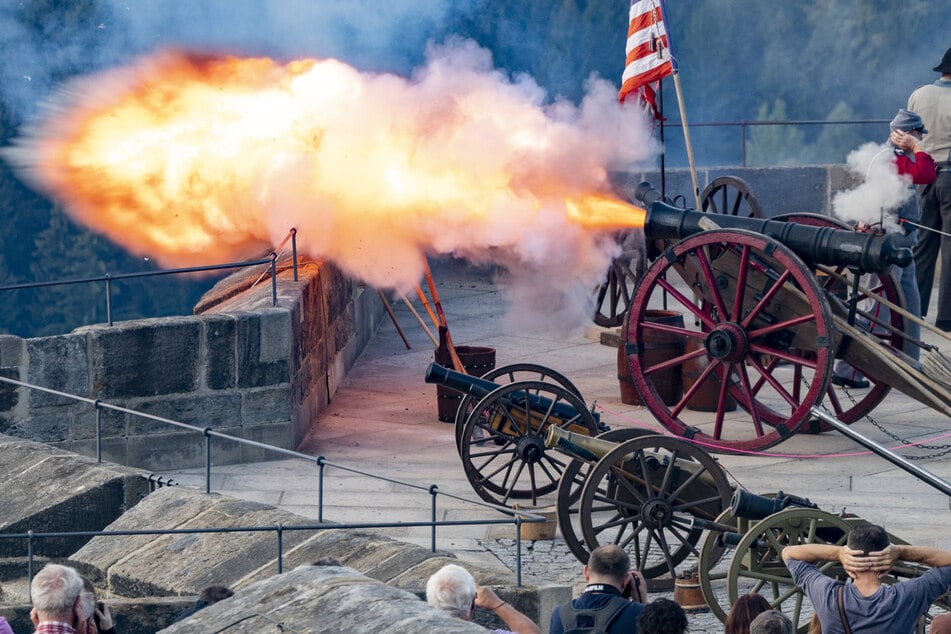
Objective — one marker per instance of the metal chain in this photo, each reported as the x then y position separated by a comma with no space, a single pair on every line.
942,450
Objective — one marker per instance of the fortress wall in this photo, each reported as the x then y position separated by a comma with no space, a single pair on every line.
239,366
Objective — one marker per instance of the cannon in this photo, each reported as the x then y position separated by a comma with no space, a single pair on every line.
762,527
773,303
500,431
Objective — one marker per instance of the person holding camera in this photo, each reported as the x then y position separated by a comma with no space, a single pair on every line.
612,600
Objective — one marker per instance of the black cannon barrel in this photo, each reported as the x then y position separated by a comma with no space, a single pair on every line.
479,388
757,507
815,245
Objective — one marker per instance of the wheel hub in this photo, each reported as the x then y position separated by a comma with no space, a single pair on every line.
530,449
727,342
657,513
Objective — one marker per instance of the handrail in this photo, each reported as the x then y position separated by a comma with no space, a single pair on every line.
108,278
517,516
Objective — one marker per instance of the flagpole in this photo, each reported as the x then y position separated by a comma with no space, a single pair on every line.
663,151
683,122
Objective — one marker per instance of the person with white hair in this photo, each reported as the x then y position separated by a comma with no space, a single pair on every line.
453,589
57,605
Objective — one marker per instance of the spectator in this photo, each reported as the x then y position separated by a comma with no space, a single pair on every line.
612,600
5,627
867,604
55,594
101,614
771,622
211,594
905,138
746,608
662,616
933,103
941,624
452,589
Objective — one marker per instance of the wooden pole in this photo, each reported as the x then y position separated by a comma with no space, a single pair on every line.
425,302
422,323
444,337
683,121
389,311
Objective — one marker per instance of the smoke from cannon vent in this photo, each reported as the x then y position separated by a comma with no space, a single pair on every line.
880,192
190,159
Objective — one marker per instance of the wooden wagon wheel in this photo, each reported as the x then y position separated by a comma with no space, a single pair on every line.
757,564
613,297
509,374
642,496
732,196
766,329
570,487
851,406
503,444
712,580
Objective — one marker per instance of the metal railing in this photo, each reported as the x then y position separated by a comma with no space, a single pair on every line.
744,127
516,517
109,278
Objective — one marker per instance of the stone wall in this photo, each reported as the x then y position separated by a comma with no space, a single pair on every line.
238,366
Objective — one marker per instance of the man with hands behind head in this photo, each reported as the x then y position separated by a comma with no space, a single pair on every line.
868,605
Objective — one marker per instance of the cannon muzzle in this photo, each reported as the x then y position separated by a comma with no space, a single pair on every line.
816,245
756,507
479,388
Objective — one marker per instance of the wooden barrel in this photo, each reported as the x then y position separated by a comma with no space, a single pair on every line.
705,399
657,347
477,360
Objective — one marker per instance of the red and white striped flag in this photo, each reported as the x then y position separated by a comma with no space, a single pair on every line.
648,54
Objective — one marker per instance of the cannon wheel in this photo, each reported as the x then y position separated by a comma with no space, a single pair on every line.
512,373
711,551
765,325
732,196
849,406
570,487
503,444
757,564
641,495
613,297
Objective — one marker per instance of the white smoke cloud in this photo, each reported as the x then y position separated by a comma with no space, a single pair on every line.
881,189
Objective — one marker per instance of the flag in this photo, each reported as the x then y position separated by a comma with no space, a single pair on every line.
648,54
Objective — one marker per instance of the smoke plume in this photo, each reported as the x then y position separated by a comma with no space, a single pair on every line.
880,191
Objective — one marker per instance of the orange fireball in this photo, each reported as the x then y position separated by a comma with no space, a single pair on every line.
194,159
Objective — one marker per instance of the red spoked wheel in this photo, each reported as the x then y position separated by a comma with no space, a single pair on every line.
766,329
851,405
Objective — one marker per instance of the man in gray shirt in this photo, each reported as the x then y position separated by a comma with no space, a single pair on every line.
868,605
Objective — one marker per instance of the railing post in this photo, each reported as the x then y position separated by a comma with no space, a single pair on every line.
743,140
273,279
29,561
518,551
433,491
108,299
280,548
320,489
294,250
98,431
207,460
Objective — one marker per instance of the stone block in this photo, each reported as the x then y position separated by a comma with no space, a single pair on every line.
42,427
275,434
9,393
161,452
83,424
145,358
11,351
219,335
217,410
58,363
266,405
326,599
252,371
50,490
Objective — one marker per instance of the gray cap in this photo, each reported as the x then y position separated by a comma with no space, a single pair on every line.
906,120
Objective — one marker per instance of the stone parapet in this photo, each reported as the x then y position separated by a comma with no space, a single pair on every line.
240,366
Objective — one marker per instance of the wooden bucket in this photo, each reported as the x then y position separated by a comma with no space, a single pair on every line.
658,346
705,399
477,360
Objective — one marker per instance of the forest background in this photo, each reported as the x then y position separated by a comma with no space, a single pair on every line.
740,60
